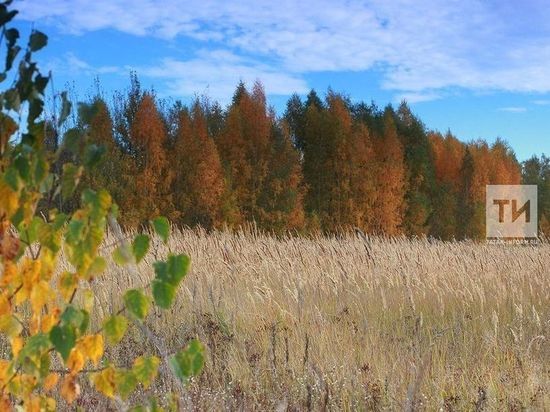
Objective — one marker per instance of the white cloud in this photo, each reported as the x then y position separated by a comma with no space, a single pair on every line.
541,102
418,97
216,73
419,46
71,64
512,109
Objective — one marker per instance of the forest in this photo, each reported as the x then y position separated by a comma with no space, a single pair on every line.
326,165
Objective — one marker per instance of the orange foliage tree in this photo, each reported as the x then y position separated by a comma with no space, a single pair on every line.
199,183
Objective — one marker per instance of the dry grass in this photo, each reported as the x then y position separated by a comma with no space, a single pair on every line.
341,323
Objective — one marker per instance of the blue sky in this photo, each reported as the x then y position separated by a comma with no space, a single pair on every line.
479,68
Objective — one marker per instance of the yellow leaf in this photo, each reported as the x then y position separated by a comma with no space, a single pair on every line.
4,367
50,404
104,382
92,346
76,361
10,273
40,294
5,306
48,264
67,283
34,324
70,389
30,270
32,404
21,296
50,381
30,274
16,345
49,320
88,299
10,326
10,199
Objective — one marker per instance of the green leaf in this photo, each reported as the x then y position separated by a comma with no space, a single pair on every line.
162,228
12,179
72,139
174,270
139,408
178,265
145,369
11,55
63,339
125,382
12,99
5,15
97,266
37,40
77,318
136,303
23,167
122,254
34,347
163,293
70,179
188,362
92,155
140,246
115,327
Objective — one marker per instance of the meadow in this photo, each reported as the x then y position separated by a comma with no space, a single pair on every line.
351,322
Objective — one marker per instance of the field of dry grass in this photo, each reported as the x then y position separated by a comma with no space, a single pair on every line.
346,324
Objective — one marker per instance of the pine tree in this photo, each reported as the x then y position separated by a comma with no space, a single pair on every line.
448,154
294,117
315,159
281,202
536,171
420,171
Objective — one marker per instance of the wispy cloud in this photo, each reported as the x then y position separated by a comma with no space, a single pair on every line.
541,102
216,73
420,46
512,109
71,64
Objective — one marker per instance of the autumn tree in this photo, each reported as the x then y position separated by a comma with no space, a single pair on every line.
391,179
364,172
244,146
153,178
199,182
504,167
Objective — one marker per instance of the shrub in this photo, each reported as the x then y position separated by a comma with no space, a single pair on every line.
44,314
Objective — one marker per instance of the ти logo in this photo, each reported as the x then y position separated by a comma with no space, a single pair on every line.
511,212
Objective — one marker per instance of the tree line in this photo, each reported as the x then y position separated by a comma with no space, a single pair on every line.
324,165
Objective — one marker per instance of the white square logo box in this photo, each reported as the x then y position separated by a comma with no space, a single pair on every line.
511,212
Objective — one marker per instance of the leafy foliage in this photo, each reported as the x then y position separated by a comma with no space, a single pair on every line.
44,312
